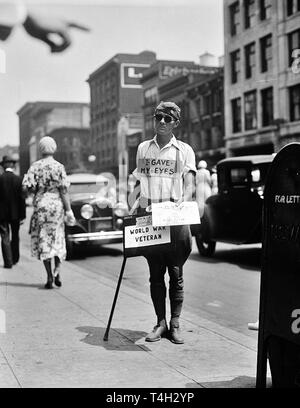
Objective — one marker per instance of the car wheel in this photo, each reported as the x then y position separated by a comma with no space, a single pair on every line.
205,248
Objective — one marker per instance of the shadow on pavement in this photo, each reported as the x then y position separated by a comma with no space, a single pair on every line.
248,258
23,285
119,339
90,251
238,382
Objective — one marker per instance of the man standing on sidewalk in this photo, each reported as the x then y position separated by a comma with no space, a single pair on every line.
166,171
12,211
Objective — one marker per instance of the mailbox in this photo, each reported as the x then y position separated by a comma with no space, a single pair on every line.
279,317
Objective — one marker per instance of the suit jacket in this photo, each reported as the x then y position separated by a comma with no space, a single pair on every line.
12,200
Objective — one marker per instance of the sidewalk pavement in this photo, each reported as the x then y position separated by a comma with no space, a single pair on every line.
54,338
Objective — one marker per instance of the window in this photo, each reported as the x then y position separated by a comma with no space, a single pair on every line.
295,103
206,107
292,7
249,10
266,52
250,110
235,66
249,60
267,106
236,115
150,95
216,101
265,9
239,176
293,44
234,11
205,138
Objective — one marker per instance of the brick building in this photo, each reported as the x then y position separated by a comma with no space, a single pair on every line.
184,82
152,78
205,117
262,76
67,122
116,107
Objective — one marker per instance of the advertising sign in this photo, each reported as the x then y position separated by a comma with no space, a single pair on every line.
131,73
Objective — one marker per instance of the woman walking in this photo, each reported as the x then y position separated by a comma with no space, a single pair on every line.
46,179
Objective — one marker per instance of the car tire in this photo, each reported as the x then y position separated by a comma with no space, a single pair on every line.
205,248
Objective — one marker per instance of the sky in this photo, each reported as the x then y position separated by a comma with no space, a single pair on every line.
174,29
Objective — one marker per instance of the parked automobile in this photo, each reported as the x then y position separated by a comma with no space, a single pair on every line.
99,217
234,214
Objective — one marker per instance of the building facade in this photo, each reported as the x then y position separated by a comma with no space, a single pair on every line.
151,80
66,122
206,124
262,75
186,83
116,107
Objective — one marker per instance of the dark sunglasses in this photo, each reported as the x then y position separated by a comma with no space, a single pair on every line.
167,118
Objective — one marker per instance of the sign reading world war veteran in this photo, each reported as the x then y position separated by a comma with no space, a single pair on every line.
279,320
140,236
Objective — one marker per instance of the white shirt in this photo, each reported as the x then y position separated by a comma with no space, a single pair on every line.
161,171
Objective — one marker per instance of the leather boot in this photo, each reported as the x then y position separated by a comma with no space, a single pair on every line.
159,331
175,335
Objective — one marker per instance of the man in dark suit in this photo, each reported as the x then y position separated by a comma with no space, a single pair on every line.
12,211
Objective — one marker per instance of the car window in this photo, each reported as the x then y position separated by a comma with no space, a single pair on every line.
238,176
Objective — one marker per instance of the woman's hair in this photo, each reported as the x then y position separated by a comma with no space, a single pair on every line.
47,145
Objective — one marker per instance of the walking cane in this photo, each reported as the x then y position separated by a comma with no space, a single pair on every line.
105,338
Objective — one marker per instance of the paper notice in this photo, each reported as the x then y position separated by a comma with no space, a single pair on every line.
168,213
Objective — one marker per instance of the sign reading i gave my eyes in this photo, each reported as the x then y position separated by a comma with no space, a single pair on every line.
157,167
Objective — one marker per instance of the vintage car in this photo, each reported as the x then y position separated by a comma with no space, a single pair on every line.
99,217
234,214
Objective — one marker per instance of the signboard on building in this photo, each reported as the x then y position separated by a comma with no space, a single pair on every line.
131,73
168,70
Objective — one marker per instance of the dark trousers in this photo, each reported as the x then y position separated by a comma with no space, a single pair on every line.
9,232
173,260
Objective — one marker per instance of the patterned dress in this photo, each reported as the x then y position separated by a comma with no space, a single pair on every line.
43,179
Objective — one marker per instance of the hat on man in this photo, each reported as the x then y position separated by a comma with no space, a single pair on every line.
7,159
170,108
